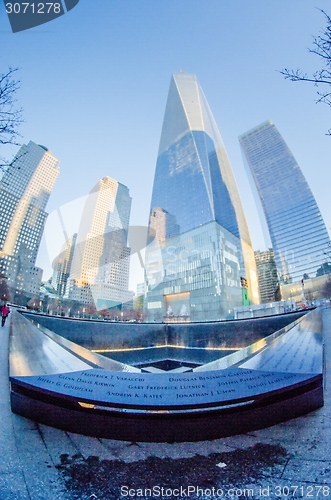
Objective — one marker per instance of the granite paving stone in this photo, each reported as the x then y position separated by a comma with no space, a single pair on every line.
13,486
314,471
89,446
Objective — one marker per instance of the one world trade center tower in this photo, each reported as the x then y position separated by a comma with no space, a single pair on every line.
202,264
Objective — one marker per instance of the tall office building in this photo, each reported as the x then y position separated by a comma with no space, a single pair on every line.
203,245
297,231
24,191
101,262
62,266
267,276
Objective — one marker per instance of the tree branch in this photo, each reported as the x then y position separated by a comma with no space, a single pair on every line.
322,48
11,116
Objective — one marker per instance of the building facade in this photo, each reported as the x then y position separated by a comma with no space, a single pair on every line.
297,231
267,276
24,191
101,261
62,266
202,246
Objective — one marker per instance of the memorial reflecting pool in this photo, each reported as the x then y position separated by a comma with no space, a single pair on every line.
156,382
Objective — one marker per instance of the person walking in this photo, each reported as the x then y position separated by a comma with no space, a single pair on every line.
4,313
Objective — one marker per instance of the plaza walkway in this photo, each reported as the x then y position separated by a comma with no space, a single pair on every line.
289,460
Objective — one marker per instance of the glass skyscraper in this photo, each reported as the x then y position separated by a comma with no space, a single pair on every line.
24,192
204,246
62,265
267,276
297,231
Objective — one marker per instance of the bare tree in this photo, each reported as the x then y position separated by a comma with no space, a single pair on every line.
91,310
11,116
4,289
104,313
322,77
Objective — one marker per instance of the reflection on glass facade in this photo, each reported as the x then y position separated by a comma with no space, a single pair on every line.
297,231
163,223
195,194
196,274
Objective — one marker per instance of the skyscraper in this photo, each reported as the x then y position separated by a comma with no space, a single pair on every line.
267,276
101,261
297,231
204,244
24,191
62,266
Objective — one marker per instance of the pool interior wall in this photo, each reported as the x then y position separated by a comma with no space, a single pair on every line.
101,335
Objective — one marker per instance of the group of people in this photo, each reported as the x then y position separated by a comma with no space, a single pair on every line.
4,310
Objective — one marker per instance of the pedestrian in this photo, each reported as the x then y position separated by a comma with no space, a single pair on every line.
4,313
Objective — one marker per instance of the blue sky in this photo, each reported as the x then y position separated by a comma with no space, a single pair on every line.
95,83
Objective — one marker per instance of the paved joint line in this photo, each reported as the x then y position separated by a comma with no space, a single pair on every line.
72,441
284,468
